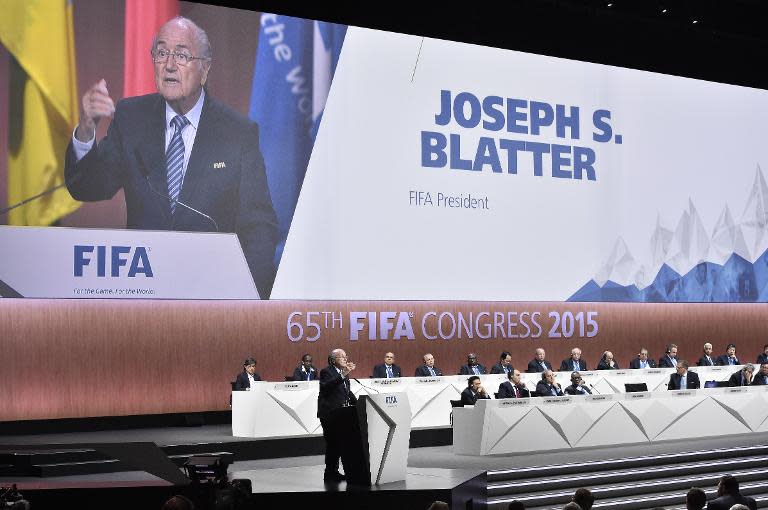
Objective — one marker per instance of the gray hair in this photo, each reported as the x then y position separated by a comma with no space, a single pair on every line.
201,38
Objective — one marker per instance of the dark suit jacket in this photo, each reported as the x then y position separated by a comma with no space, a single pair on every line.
235,195
242,382
758,379
466,370
423,371
498,369
736,379
727,501
380,371
723,360
468,398
692,380
574,390
605,366
762,358
301,375
334,392
664,362
544,390
635,363
704,363
507,391
567,365
534,366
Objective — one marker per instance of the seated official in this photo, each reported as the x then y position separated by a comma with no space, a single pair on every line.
514,387
574,363
305,371
428,369
473,391
248,376
729,358
504,366
548,387
539,363
669,360
472,367
728,496
763,358
607,362
761,377
388,369
642,360
707,360
683,379
743,377
577,386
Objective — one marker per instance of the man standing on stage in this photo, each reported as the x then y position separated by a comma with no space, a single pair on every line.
334,393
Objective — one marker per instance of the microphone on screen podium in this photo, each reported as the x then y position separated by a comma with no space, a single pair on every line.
145,174
42,194
364,386
592,386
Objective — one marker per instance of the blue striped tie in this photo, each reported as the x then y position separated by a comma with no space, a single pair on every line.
174,160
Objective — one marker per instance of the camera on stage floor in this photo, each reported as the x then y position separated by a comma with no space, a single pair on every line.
11,499
210,473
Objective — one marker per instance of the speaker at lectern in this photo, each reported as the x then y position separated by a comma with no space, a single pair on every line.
376,434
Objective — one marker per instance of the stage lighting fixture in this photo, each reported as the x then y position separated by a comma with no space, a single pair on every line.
207,469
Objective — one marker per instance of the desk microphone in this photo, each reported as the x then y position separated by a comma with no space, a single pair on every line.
594,389
364,386
43,193
145,174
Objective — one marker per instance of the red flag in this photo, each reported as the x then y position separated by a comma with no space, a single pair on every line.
143,18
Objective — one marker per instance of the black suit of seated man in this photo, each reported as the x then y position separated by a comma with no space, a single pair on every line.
761,377
642,360
428,369
607,362
335,393
305,371
729,358
743,377
669,360
538,363
691,378
574,363
763,356
504,366
728,495
243,381
514,387
473,392
548,387
472,367
577,386
388,369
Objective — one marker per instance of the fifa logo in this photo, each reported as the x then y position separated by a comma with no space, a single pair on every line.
390,399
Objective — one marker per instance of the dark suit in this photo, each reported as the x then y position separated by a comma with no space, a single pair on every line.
666,362
727,501
242,382
423,371
334,393
498,368
635,363
467,370
738,379
534,366
692,381
723,361
300,374
762,358
380,371
469,397
546,390
567,365
507,390
704,362
603,365
225,177
576,390
759,379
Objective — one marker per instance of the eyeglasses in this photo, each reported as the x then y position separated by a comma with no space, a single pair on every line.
161,55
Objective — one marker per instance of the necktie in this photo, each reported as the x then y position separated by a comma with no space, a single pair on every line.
730,361
476,370
643,364
431,371
389,372
174,160
309,375
576,366
683,383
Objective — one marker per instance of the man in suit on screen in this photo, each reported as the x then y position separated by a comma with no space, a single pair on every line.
729,358
473,392
504,366
742,377
248,376
642,360
178,146
682,379
305,371
669,360
335,392
472,367
574,363
388,369
539,363
514,388
761,377
428,369
707,360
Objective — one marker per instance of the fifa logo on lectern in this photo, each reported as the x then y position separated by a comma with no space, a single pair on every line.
110,261
390,399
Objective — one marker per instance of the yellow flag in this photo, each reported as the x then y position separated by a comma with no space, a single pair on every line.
40,36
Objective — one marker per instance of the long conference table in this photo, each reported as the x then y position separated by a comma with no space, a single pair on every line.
289,409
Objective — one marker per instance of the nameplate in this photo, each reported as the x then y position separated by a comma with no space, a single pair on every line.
429,380
638,395
715,369
587,372
684,393
291,386
619,372
556,400
736,390
654,371
512,402
386,382
599,398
